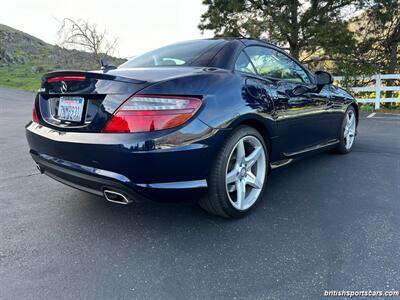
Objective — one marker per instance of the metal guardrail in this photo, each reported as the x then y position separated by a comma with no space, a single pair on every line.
377,88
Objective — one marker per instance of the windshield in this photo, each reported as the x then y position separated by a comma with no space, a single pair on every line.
181,54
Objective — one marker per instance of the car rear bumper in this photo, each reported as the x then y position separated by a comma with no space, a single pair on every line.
82,177
164,167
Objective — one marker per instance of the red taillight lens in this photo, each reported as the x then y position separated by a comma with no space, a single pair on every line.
66,78
35,117
148,113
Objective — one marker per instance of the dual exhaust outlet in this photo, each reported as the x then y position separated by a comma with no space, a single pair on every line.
116,197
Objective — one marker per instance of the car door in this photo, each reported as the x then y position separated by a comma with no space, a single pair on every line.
299,116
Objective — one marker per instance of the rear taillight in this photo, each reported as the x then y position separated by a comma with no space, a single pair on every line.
35,117
143,113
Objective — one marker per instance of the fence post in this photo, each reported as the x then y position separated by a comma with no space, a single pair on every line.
378,84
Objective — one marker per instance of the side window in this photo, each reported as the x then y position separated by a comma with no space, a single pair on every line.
244,65
274,64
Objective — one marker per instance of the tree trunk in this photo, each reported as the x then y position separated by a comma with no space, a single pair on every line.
294,29
393,60
392,66
294,50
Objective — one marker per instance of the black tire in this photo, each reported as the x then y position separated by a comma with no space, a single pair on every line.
217,201
341,147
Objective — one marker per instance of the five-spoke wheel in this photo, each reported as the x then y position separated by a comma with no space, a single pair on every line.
350,128
348,131
238,176
245,172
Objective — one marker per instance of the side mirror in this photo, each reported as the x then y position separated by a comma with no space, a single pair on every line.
322,78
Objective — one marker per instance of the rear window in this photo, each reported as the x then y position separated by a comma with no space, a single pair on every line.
180,54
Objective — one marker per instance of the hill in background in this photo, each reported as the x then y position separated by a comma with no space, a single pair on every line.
24,59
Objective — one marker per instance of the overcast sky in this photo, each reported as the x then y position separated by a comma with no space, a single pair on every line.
140,25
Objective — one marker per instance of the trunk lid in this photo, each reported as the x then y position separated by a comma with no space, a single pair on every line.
92,97
83,101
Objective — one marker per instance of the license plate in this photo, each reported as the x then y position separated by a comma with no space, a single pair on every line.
70,109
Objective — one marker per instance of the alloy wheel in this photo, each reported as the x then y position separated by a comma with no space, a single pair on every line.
349,129
245,172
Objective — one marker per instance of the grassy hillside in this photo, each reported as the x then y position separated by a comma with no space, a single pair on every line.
25,58
20,77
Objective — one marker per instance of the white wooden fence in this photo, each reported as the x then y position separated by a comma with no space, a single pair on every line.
376,88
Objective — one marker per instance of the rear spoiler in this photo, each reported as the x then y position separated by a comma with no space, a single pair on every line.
83,75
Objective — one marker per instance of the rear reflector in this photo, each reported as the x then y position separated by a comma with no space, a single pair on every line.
144,113
35,117
66,78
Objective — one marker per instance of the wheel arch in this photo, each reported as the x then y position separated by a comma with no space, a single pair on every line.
356,108
259,125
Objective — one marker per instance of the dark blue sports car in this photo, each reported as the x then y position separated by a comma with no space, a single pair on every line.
200,120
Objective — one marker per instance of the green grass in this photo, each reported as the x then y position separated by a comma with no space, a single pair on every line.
385,107
20,77
367,107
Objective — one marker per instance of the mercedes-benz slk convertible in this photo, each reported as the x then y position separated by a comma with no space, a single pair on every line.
200,120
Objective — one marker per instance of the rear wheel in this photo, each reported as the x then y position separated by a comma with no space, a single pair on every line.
238,176
348,131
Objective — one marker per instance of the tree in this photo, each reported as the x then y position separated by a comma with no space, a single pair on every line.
377,31
312,31
82,35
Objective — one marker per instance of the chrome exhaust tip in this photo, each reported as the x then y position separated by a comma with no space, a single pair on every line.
116,197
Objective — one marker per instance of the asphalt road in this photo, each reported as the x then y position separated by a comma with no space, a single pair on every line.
329,222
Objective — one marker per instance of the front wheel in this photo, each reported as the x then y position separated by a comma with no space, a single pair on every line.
238,176
347,132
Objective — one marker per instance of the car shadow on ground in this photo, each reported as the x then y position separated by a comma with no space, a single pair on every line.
295,218
282,191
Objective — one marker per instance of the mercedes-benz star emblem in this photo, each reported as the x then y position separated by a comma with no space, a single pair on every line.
63,87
